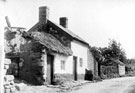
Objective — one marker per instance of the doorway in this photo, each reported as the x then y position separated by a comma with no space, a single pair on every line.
75,67
50,69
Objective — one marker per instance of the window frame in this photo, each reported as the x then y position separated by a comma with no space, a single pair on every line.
80,62
63,65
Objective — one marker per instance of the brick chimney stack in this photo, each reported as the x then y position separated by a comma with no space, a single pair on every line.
43,14
64,22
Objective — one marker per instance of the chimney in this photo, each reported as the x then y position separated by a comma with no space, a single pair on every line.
64,22
43,14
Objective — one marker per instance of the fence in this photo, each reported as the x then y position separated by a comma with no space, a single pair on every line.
109,71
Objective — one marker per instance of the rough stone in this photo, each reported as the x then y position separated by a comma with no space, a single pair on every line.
7,86
7,61
17,87
13,89
12,83
6,83
9,78
4,71
6,66
7,91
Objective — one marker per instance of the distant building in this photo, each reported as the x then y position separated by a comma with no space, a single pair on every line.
113,67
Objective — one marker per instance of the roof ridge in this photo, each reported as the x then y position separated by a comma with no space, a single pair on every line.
69,32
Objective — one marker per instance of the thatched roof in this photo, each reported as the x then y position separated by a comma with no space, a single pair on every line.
68,32
51,43
74,36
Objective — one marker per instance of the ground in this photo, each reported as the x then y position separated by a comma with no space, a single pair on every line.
63,88
116,85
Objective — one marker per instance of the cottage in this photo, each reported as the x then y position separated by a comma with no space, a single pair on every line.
49,51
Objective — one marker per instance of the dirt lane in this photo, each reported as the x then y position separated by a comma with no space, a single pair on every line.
117,85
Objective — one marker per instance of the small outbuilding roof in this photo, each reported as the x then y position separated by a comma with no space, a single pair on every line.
117,61
113,61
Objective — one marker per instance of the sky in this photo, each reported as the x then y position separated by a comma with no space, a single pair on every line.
96,21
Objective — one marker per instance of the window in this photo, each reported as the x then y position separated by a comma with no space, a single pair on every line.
62,65
81,62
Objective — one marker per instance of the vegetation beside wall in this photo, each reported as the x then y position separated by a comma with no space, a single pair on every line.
104,55
109,72
62,78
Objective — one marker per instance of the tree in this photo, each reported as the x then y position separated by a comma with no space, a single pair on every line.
97,53
102,55
116,51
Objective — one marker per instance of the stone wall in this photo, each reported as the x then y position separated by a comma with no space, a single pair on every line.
9,86
33,70
18,46
61,78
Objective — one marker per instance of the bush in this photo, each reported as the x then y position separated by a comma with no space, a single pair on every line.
103,76
58,80
131,73
97,78
113,75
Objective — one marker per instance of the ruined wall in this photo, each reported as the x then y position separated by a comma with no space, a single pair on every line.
34,61
33,69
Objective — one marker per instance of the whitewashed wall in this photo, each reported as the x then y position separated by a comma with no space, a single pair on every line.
68,64
44,57
90,61
121,70
81,51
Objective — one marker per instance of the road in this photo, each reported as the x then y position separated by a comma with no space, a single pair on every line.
117,85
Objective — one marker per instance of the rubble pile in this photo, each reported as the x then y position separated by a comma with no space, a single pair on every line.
9,86
69,86
73,85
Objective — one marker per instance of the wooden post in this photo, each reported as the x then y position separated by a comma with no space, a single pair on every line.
7,21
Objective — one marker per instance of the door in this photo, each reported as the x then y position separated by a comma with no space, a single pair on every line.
50,69
75,67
